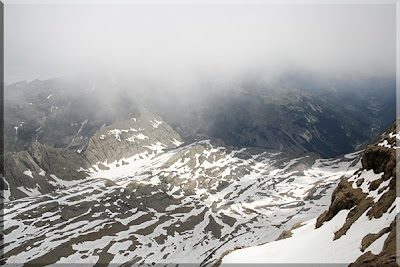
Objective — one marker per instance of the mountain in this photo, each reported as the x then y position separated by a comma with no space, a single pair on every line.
283,119
300,115
147,133
295,111
147,197
359,227
42,169
63,113
92,176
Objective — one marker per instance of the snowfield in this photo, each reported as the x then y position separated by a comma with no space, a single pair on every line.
183,205
174,203
309,244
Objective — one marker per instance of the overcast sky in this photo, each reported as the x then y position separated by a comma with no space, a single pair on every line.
176,41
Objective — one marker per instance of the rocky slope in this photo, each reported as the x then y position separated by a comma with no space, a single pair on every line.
62,112
146,133
42,169
295,112
148,198
358,227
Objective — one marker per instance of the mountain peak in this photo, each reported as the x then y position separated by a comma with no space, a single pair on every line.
145,133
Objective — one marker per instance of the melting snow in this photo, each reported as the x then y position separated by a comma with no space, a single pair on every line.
141,136
117,133
28,172
64,182
310,245
377,246
157,147
6,193
155,123
176,142
29,191
200,164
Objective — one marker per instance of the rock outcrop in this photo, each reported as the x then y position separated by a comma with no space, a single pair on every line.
381,157
40,170
359,227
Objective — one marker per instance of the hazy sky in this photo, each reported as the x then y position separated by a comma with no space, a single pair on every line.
176,41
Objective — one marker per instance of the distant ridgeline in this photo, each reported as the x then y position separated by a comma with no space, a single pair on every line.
330,122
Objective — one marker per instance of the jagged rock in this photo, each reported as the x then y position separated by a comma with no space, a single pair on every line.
380,156
343,197
371,238
380,159
388,255
41,169
288,233
284,234
60,161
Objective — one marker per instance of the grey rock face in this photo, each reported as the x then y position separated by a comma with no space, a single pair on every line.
146,133
40,170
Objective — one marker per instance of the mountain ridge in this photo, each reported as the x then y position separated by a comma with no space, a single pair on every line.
300,117
185,203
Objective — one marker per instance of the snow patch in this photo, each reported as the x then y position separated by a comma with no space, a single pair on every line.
28,172
64,182
29,191
176,142
141,136
155,123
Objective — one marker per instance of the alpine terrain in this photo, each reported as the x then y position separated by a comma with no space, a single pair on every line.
137,193
199,134
359,227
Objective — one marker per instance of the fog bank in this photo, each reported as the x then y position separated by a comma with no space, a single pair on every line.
178,44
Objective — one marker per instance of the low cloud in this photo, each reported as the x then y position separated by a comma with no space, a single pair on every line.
183,44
